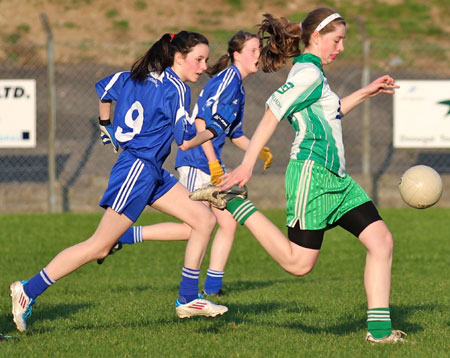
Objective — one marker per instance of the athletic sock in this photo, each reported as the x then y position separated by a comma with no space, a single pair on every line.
241,209
213,282
189,285
38,284
132,236
379,322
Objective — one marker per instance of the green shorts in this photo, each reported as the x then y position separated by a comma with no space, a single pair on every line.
316,197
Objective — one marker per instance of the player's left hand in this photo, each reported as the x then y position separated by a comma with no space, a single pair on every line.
383,84
267,157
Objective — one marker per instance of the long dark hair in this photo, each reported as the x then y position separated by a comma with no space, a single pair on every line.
284,36
236,43
161,54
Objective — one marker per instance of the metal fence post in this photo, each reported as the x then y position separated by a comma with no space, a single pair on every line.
51,115
365,80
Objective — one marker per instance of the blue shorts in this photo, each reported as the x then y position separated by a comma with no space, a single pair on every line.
133,184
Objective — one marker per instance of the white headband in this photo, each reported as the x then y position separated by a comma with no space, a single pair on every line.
327,20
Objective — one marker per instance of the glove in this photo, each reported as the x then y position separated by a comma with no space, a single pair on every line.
216,171
107,134
267,157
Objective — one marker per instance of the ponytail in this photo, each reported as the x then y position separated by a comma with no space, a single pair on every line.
282,43
236,44
161,54
284,36
220,65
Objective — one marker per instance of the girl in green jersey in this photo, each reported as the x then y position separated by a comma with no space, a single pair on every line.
320,194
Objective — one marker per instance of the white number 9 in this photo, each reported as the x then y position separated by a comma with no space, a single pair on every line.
134,124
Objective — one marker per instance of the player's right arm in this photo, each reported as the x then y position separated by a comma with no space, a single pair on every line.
108,90
215,168
242,174
299,91
105,126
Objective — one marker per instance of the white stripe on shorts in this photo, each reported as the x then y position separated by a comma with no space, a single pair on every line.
127,185
191,179
302,193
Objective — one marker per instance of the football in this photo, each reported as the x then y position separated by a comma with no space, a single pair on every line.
420,187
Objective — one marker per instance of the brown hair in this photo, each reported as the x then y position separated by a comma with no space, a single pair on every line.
161,54
236,44
283,40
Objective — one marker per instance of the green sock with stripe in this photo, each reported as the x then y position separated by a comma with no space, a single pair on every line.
241,209
379,322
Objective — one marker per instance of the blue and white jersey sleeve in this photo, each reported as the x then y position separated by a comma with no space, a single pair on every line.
109,88
222,106
179,98
236,130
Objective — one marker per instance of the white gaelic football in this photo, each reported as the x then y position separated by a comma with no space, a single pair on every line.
420,186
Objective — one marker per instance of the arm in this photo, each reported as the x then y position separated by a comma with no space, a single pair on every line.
241,142
197,140
242,174
265,155
106,128
104,109
215,169
207,146
383,84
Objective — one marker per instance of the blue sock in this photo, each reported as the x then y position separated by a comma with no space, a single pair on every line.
213,282
189,285
132,236
38,284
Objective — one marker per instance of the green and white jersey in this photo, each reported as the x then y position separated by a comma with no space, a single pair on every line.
313,110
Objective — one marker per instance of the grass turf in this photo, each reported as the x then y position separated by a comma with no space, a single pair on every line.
126,307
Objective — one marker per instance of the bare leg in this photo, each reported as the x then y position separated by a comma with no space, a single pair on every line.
223,240
194,214
377,274
110,228
293,258
166,232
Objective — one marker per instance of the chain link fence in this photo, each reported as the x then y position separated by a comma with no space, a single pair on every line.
83,163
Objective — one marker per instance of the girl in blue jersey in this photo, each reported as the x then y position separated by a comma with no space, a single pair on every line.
197,167
223,96
152,109
320,194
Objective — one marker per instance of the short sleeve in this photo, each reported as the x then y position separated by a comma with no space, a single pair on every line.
110,87
221,109
178,102
299,92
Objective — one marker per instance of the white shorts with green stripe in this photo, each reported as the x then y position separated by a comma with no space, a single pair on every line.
317,197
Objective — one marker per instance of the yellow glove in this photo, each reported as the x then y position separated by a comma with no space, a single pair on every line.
216,171
267,157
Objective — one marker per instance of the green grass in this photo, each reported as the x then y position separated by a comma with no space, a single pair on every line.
125,307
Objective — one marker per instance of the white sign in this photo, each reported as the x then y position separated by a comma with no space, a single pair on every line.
422,114
17,113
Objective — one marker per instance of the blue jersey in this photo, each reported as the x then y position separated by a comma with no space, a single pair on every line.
221,103
149,115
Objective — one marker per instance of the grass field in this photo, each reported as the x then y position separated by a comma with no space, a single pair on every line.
125,307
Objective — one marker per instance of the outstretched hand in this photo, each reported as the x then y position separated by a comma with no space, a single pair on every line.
383,84
240,176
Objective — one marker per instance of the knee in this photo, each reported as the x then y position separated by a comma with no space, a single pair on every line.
299,270
228,226
384,245
100,252
205,222
95,249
